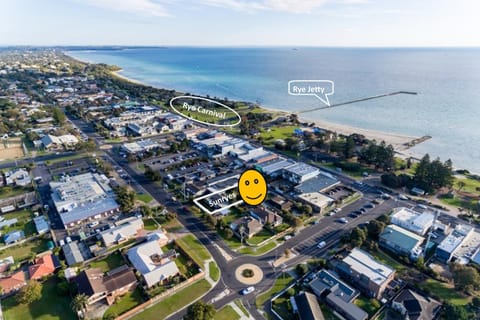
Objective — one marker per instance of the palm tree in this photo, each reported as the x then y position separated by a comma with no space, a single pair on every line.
79,303
461,185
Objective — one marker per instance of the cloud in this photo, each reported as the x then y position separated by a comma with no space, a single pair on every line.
144,7
292,6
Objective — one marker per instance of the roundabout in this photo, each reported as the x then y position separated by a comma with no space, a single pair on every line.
249,274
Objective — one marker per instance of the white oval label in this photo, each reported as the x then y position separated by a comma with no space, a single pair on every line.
205,111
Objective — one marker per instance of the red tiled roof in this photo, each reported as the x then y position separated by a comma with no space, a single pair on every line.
43,267
13,282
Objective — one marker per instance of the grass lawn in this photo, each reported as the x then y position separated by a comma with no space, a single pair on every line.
281,283
226,313
25,250
214,271
454,202
51,306
125,303
257,251
366,305
182,262
150,224
278,133
194,249
260,237
386,259
110,262
144,197
7,192
175,302
172,225
471,185
24,222
444,292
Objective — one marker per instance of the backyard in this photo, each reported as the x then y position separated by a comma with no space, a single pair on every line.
194,249
110,262
25,250
125,303
444,291
51,306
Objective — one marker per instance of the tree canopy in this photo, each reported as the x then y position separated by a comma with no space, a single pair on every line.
200,311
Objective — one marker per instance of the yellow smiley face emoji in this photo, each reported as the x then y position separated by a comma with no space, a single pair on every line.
252,187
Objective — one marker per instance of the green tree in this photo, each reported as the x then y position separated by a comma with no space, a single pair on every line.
301,269
466,278
357,237
375,228
349,148
30,293
79,304
200,311
452,312
58,115
125,198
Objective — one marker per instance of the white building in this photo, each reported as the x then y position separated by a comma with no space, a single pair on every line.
300,172
83,197
55,142
453,242
148,259
411,220
19,177
122,232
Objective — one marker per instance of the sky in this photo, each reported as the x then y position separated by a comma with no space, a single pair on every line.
359,23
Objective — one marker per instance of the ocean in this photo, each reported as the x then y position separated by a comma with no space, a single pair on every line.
447,106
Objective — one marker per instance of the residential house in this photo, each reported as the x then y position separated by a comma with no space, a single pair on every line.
12,283
58,142
41,224
264,216
246,227
5,264
122,233
366,273
75,252
414,306
18,177
150,261
13,236
43,266
98,286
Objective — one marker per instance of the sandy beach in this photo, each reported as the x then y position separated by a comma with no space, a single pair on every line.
119,75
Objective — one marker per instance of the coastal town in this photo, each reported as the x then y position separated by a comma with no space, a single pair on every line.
113,205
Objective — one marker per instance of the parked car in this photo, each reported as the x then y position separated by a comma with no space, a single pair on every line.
321,244
342,220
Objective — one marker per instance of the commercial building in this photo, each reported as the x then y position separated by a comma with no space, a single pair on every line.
411,220
366,273
274,167
84,197
453,242
401,241
300,172
320,183
318,201
140,146
151,262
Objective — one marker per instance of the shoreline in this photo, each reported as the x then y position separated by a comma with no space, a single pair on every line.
398,141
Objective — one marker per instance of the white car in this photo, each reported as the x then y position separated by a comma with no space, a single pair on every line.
321,244
68,239
248,290
343,220
61,242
